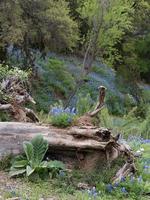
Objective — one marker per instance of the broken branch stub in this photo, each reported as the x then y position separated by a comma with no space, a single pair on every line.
100,105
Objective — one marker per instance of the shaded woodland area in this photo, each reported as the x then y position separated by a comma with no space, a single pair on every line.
75,99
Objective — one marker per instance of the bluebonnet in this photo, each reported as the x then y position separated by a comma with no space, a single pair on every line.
93,192
140,179
146,167
132,178
59,110
123,179
109,187
146,141
61,173
116,184
123,190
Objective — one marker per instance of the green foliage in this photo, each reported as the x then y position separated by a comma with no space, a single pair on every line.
32,163
115,104
54,83
61,117
44,117
84,104
114,20
61,120
99,70
143,60
61,79
43,25
11,72
6,71
5,162
105,119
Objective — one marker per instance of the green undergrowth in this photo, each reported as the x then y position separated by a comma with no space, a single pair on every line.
127,125
54,82
64,185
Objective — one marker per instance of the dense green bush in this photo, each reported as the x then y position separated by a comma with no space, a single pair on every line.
6,71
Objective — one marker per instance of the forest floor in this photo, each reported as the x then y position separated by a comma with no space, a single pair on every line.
64,189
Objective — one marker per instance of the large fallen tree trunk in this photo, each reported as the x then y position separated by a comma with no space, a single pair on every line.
85,147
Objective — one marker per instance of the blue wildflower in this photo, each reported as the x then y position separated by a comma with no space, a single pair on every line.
140,179
132,178
146,167
61,173
109,187
123,190
123,179
116,184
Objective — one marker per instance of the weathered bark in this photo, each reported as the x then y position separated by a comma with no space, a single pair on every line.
14,88
100,105
5,107
98,134
70,145
127,170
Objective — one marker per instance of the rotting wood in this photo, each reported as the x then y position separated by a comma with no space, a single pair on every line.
16,95
87,153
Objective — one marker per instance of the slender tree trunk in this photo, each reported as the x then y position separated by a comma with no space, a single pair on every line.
89,56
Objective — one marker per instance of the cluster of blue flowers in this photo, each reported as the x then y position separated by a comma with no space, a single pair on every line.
138,139
110,187
59,110
93,193
146,166
62,117
145,141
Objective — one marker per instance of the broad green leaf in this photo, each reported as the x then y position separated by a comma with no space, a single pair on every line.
40,146
55,164
28,149
44,164
20,163
15,172
29,170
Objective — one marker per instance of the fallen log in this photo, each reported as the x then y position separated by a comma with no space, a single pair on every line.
64,144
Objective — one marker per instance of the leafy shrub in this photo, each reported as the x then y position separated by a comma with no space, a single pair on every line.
115,104
6,71
105,118
55,83
62,117
84,103
32,162
99,70
58,76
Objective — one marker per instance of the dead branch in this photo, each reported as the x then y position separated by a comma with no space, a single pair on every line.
100,104
15,89
127,169
30,113
5,107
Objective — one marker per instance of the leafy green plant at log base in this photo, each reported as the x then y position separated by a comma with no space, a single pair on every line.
32,163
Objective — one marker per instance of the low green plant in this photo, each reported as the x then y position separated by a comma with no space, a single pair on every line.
62,120
84,104
32,162
44,117
5,162
99,70
62,117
